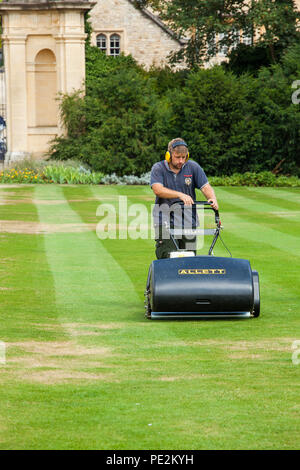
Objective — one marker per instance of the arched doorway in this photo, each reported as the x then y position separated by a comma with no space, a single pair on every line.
46,108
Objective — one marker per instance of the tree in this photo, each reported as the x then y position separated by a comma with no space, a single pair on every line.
118,124
272,23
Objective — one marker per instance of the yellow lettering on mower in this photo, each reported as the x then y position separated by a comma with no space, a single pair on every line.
202,271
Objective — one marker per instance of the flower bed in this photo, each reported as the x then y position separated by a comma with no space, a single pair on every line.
69,173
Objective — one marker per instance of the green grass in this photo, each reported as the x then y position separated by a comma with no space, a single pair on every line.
84,368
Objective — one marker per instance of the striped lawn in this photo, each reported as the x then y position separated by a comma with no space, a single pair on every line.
84,368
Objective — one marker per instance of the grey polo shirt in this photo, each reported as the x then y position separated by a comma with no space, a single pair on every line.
190,177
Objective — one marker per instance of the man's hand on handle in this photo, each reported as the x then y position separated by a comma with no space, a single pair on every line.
209,193
214,204
186,199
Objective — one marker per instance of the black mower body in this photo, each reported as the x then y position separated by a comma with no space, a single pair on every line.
202,286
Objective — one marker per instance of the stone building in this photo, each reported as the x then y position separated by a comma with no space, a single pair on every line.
43,45
118,26
44,55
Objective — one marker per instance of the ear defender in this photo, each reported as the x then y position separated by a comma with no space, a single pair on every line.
177,144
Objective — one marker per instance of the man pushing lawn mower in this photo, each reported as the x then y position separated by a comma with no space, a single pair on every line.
172,180
180,283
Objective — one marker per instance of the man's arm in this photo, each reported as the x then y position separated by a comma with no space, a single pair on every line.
209,193
166,193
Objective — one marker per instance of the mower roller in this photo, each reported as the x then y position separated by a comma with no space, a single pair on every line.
190,286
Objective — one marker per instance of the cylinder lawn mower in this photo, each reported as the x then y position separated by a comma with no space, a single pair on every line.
190,286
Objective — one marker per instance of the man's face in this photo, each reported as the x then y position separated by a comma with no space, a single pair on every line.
178,158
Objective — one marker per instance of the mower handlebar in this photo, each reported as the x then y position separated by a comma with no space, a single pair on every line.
206,205
198,203
202,203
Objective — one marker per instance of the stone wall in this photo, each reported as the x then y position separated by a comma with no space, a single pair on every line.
44,55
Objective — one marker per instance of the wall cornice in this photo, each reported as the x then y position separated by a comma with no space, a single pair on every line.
28,5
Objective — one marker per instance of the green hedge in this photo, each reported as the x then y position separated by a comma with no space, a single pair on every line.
264,178
232,123
118,126
236,124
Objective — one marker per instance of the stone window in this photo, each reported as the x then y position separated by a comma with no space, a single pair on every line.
101,42
211,45
236,37
247,39
214,45
114,45
223,48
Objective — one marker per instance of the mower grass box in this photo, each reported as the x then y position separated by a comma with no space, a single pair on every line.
202,286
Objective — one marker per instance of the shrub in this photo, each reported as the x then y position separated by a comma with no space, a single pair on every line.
236,124
117,127
250,59
127,179
264,178
232,124
212,113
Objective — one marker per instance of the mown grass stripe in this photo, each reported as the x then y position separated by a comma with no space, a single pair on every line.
248,228
27,289
10,209
90,285
288,196
285,221
255,232
249,201
134,256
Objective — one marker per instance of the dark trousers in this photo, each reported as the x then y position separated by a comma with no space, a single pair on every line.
164,244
